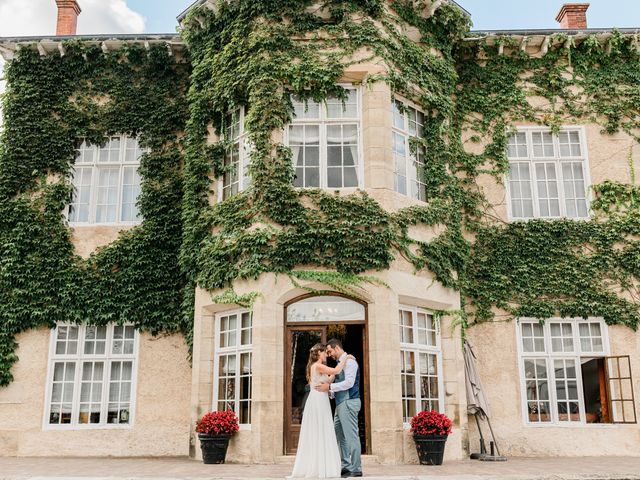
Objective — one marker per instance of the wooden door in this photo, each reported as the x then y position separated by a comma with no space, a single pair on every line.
298,342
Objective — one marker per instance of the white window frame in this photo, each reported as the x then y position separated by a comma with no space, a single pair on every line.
417,349
244,152
558,161
79,358
323,122
237,350
549,356
410,157
95,167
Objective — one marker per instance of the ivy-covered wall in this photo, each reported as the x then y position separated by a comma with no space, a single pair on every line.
251,53
50,105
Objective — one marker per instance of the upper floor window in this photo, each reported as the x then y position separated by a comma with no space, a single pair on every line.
547,174
106,182
325,141
237,156
408,154
91,375
567,377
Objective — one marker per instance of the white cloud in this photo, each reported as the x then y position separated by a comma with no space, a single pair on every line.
38,17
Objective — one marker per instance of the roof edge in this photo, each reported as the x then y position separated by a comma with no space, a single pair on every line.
97,37
197,3
489,33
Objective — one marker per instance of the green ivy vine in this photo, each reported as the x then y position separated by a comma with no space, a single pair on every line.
257,54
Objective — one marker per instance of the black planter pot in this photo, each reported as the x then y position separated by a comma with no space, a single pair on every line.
430,448
214,447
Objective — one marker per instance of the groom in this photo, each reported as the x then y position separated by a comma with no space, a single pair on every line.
346,390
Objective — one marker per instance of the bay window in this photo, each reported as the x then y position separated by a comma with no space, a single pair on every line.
408,153
325,142
237,154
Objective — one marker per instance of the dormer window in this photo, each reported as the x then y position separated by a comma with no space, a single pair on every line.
325,142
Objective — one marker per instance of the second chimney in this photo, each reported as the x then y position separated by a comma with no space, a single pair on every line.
68,11
573,16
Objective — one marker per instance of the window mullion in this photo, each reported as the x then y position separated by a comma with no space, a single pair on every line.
324,180
581,403
106,376
532,174
50,375
534,189
77,378
407,147
236,400
120,189
93,196
551,379
238,354
416,353
560,183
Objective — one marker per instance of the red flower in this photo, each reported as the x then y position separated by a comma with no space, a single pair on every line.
431,423
216,423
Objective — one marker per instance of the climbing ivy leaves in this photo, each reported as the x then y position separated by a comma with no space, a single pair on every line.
256,54
51,104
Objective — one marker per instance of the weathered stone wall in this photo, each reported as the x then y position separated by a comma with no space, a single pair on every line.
160,426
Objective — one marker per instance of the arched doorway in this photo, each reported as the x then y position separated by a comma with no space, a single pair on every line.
310,319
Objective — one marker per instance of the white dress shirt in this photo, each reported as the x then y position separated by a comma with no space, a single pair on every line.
350,370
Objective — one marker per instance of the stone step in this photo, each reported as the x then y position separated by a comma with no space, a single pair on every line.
367,460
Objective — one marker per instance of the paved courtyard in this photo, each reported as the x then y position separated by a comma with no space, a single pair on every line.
618,468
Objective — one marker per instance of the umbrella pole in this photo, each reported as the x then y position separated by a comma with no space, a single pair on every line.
493,457
495,442
483,448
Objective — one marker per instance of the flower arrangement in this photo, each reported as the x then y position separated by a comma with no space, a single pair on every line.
218,423
430,423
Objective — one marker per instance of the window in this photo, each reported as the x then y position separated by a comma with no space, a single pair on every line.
421,362
232,368
408,154
567,377
106,182
325,142
547,174
91,376
236,159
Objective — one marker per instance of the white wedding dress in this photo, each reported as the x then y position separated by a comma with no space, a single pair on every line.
318,455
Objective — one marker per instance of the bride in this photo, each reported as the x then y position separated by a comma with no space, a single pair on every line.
318,455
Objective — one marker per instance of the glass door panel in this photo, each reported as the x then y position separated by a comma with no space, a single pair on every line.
300,341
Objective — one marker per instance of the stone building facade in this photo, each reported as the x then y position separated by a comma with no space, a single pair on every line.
250,359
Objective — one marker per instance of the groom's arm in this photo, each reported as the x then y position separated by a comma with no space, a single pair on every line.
350,371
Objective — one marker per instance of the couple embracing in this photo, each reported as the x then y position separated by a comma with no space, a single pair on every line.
330,447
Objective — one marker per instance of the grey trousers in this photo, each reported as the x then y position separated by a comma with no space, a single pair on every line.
345,422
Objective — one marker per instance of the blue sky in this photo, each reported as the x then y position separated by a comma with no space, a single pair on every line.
530,14
486,14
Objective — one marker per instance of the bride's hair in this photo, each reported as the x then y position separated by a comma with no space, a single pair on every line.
314,354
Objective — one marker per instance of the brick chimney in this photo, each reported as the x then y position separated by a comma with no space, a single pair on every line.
68,11
573,16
